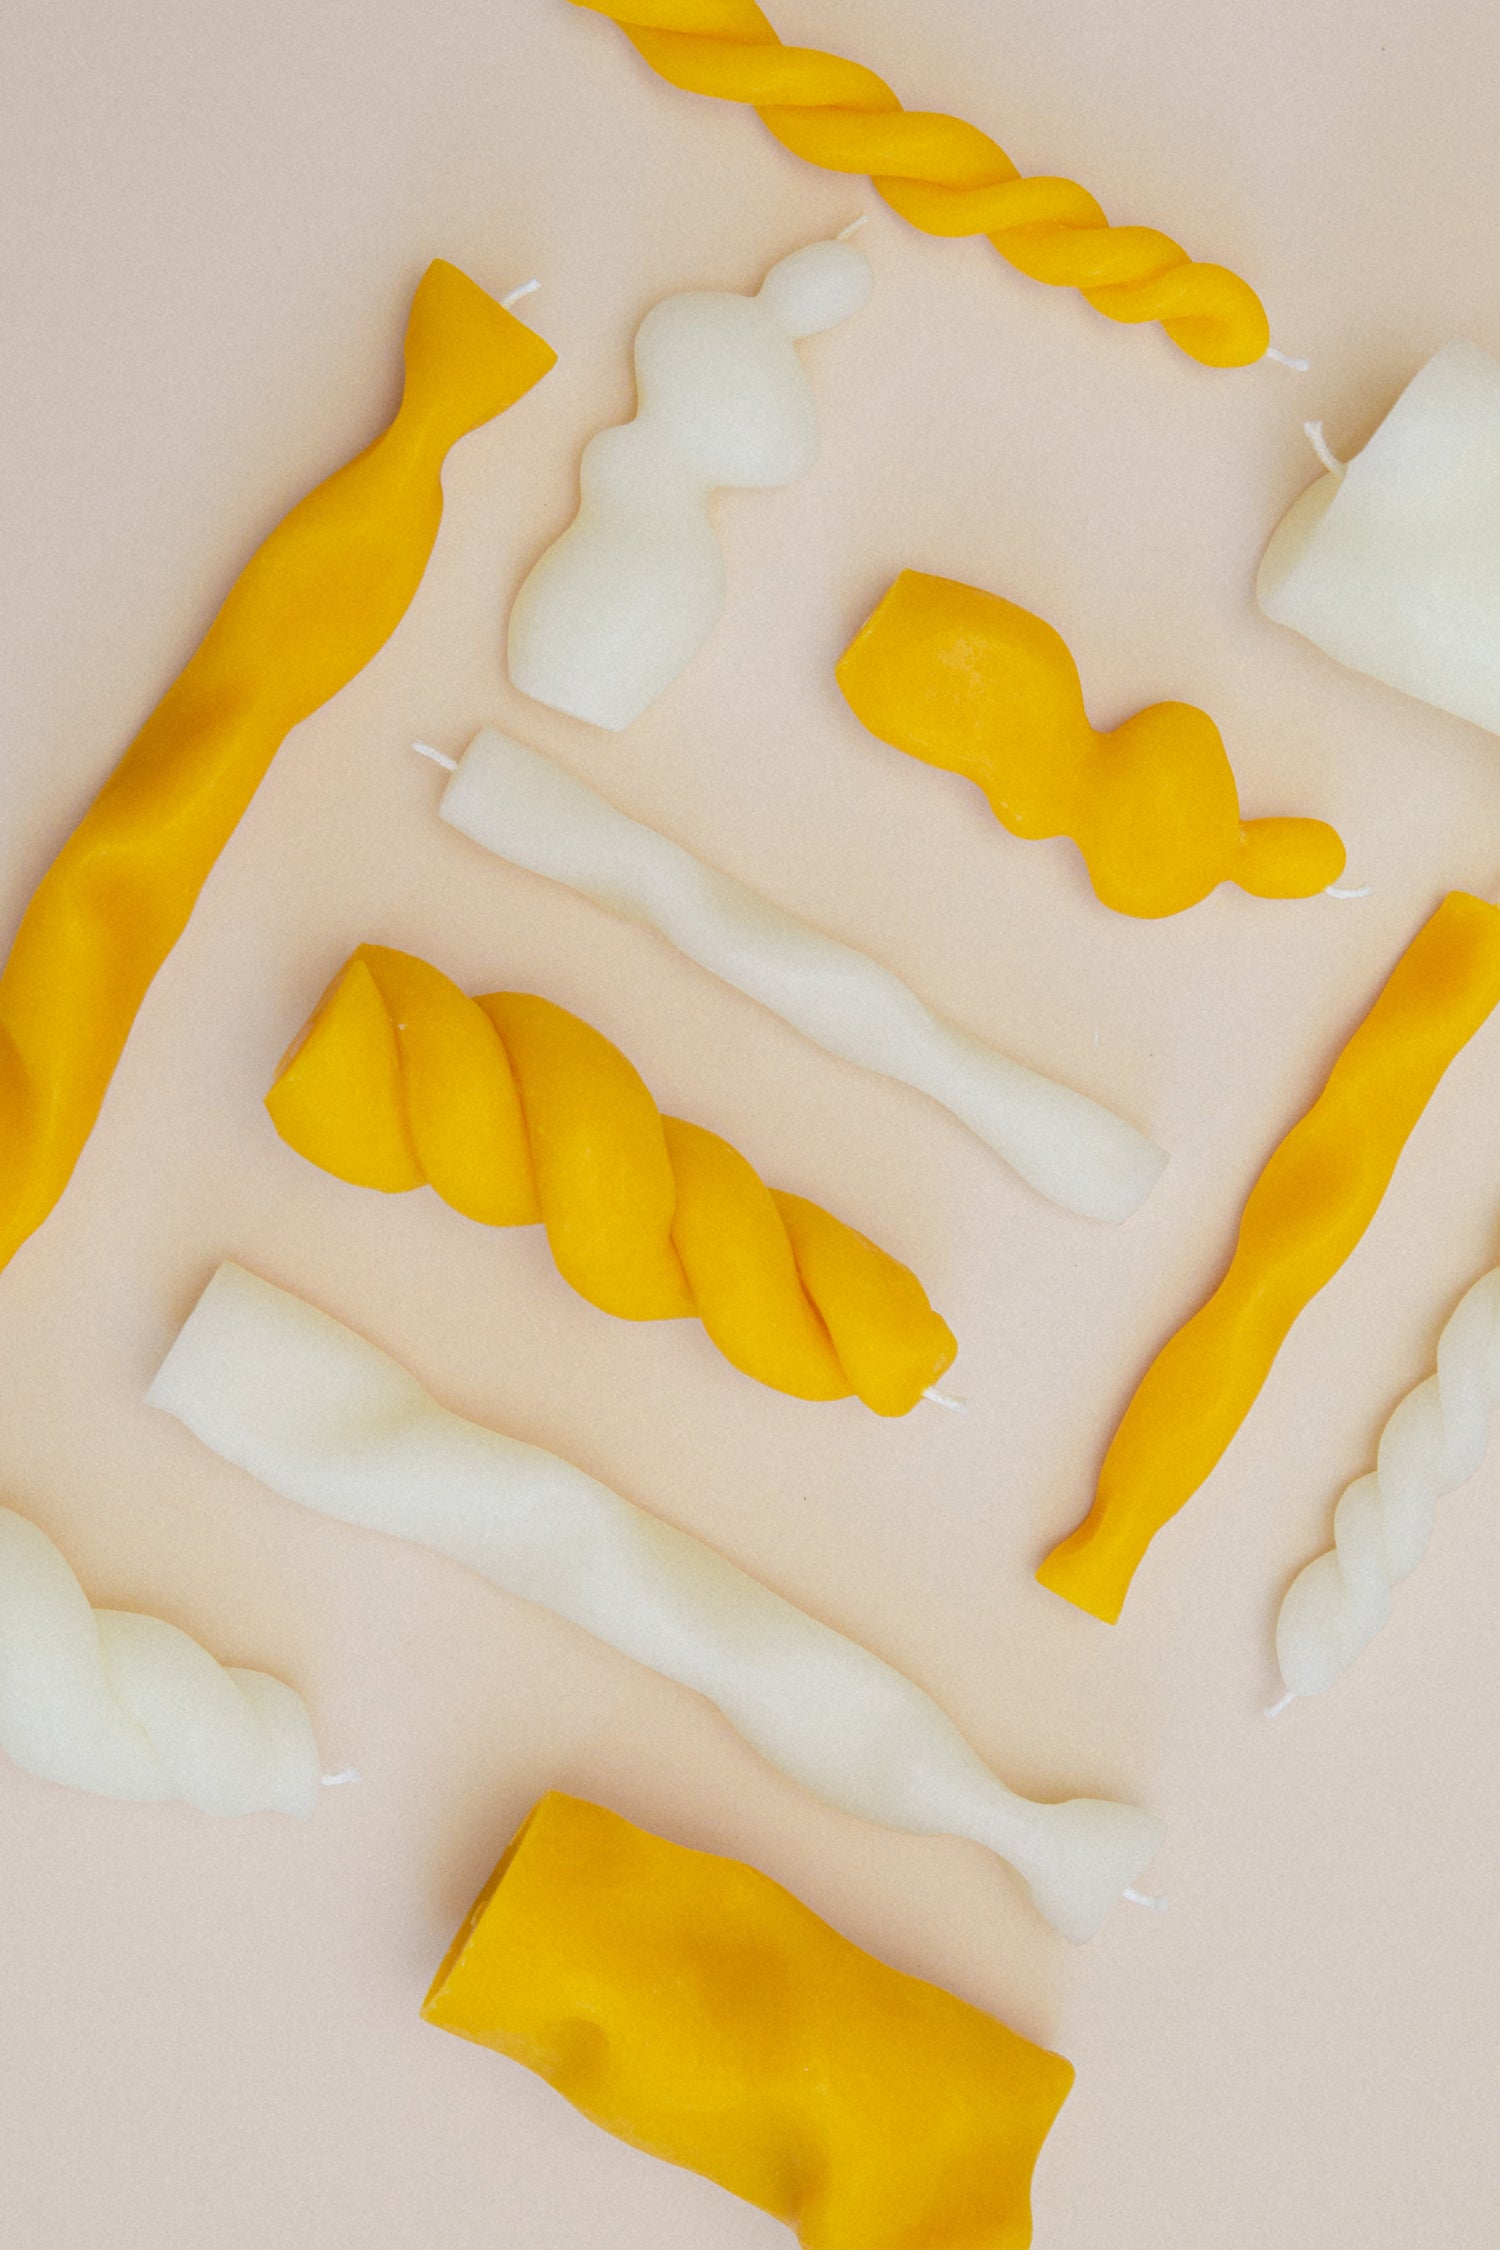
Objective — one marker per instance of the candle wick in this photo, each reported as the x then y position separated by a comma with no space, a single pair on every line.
941,1398
1284,359
1157,1904
1361,890
1274,1710
438,757
337,1780
1323,449
527,289
853,227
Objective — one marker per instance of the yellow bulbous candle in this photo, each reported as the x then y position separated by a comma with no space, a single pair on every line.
518,1112
1310,1206
944,176
967,681
692,2007
314,603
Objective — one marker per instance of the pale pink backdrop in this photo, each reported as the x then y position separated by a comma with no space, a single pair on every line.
214,219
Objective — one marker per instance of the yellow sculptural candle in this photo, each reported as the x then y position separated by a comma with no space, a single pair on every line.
967,681
695,2009
517,1112
942,175
309,610
1306,1212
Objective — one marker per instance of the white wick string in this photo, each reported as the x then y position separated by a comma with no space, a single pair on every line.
1284,359
438,757
337,1780
853,227
1323,449
526,289
941,1398
1274,1710
1146,1898
1360,890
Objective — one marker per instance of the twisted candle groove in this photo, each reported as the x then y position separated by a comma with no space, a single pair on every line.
944,176
128,1706
1433,1443
516,1111
328,1420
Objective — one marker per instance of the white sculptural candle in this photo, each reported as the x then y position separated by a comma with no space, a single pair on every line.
1391,561
1433,1443
527,810
620,603
128,1706
327,1420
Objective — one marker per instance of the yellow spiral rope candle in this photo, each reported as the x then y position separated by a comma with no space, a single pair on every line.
518,1112
942,175
314,603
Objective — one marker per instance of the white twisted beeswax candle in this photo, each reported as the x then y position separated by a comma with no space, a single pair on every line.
621,603
1433,1443
128,1706
326,1419
527,810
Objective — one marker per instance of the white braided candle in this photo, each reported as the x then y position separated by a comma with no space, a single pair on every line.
1433,1443
327,1420
128,1706
525,809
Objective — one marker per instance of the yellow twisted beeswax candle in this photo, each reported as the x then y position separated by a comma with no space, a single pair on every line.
1306,1212
516,1111
942,175
967,681
694,2008
311,607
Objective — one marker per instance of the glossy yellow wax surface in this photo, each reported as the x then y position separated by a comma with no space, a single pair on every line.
942,175
965,680
515,1111
694,2008
308,611
1305,1214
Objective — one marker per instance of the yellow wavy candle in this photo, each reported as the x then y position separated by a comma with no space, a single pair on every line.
1306,1212
942,175
695,2009
966,681
315,602
516,1111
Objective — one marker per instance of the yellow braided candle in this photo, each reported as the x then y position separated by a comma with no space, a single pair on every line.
311,607
944,176
516,1111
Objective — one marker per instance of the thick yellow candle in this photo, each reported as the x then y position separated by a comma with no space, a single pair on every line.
695,2009
309,610
967,681
1305,1214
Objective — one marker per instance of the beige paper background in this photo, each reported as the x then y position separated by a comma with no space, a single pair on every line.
214,219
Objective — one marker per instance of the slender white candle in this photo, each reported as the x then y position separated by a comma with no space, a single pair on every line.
1433,1443
619,604
527,810
326,1419
128,1706
1391,562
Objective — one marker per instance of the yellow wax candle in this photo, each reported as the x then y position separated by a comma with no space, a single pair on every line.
311,607
1306,1212
697,2010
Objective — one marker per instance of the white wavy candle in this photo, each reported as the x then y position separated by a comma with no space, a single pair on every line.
1433,1443
621,603
128,1706
526,810
327,1420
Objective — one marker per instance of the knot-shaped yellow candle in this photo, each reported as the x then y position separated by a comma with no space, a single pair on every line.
942,175
697,2010
967,681
314,603
518,1112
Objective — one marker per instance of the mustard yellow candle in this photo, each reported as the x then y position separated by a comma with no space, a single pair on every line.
311,607
1306,1212
518,1112
694,2008
966,681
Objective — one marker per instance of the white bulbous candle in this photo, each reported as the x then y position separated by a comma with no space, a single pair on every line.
621,603
527,810
128,1706
1433,1443
1391,562
324,1418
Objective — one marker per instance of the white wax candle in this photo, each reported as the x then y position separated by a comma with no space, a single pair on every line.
620,603
527,810
128,1706
1433,1443
1392,564
326,1419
